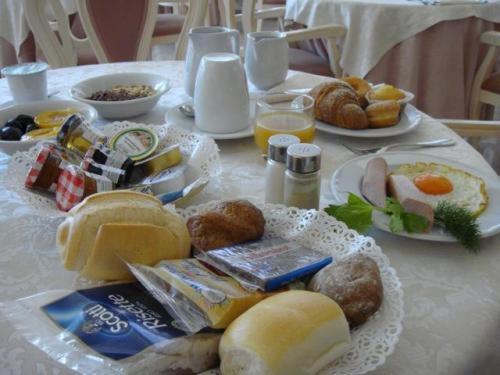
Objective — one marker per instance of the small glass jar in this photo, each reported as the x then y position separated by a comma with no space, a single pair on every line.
77,135
302,185
275,168
45,170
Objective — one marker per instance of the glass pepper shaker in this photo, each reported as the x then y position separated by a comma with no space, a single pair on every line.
302,185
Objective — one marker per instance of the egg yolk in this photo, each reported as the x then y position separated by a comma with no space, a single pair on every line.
433,184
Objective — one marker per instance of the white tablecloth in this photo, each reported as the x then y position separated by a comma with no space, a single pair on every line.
452,298
375,26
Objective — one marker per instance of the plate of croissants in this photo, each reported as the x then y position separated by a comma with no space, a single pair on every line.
351,106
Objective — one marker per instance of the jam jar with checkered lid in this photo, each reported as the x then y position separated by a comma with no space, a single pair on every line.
45,169
75,184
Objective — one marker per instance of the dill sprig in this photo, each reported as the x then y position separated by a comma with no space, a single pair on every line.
460,223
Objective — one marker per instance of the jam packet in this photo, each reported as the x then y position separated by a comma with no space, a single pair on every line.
118,328
266,264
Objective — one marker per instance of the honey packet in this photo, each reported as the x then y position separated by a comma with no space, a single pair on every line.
196,296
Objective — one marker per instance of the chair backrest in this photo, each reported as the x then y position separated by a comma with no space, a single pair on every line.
59,50
119,30
195,16
491,38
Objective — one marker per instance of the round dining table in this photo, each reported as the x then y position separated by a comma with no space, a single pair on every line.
451,296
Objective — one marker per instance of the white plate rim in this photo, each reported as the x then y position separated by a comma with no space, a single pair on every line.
376,133
174,114
492,187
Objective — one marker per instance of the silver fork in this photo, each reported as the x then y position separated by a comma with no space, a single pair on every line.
437,143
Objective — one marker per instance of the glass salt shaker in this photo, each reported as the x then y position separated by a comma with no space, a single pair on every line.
302,185
275,168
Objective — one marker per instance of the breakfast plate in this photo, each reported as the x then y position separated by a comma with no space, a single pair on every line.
374,340
410,119
174,116
34,108
347,178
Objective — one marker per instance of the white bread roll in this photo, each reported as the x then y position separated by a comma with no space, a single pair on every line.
294,332
107,228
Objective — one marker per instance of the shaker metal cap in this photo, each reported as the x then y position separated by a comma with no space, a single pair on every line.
303,158
277,145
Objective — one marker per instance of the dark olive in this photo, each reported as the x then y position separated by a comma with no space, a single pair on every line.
25,120
31,127
15,124
10,133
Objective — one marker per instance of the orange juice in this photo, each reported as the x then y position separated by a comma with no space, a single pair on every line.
294,123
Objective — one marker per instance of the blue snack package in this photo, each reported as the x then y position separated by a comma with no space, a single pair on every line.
110,329
117,321
266,264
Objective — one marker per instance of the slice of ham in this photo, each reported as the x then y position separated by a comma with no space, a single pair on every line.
374,181
403,189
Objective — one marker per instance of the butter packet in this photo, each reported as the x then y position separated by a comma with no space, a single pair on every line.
266,264
195,295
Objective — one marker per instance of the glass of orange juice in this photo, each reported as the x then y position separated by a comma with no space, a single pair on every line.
283,113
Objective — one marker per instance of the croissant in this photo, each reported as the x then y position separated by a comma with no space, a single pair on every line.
336,103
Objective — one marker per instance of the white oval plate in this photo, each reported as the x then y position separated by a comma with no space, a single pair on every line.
174,116
32,109
373,341
347,178
410,119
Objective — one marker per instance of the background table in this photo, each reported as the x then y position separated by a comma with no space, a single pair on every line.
432,51
452,299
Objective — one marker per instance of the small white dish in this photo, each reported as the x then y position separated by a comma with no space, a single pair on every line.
27,82
410,119
126,108
32,109
174,116
402,102
347,178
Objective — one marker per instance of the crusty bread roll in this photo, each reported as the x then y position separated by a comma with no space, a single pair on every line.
294,332
230,223
355,284
383,114
107,228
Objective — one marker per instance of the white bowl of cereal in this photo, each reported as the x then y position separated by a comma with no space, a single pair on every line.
121,95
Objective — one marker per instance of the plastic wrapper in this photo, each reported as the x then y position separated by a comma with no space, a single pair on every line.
112,329
195,295
267,264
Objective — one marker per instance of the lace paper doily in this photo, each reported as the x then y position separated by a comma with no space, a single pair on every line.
373,341
202,152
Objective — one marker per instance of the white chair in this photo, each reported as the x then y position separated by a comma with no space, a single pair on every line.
299,59
484,136
486,87
144,27
61,51
473,128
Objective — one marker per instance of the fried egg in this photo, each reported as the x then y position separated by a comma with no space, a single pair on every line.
440,182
